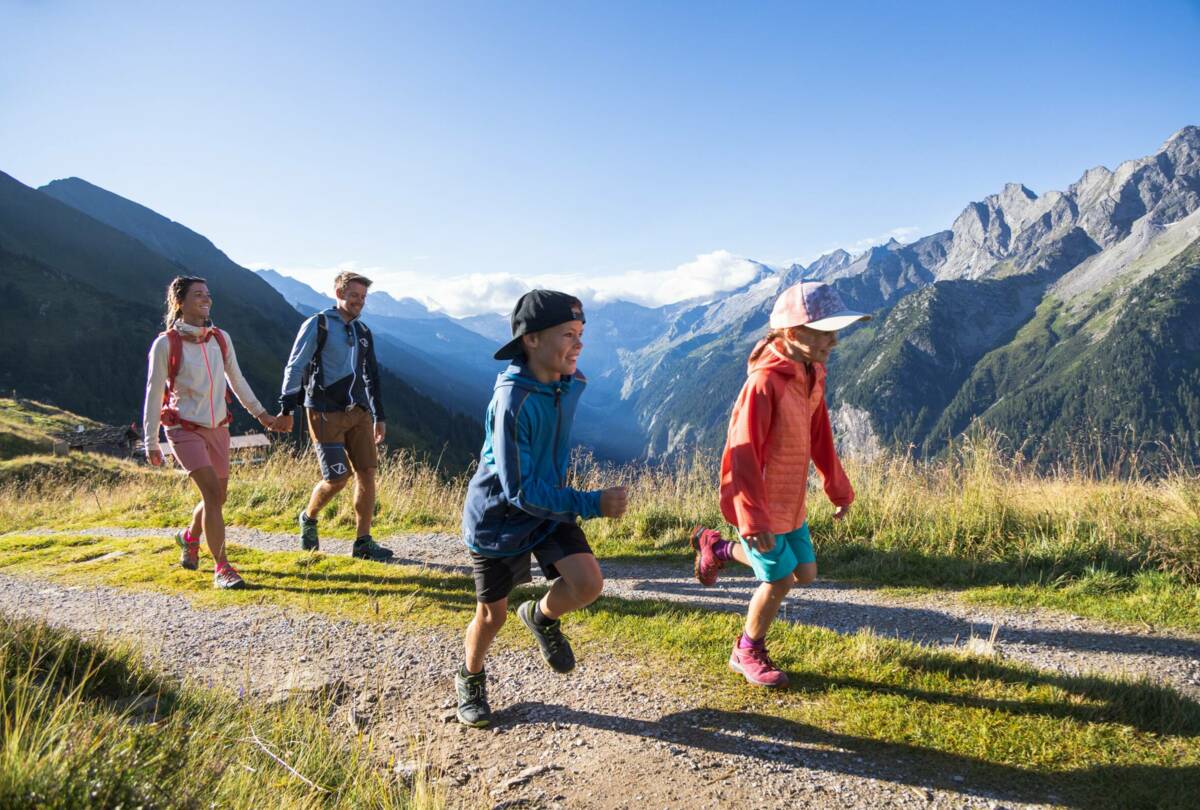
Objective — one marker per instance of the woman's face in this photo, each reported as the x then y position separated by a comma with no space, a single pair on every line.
806,345
197,302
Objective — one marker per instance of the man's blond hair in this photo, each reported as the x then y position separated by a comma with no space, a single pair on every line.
347,277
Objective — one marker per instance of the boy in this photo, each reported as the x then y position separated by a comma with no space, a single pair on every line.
518,503
333,369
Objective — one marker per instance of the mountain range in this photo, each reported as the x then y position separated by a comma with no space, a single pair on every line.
1054,319
83,274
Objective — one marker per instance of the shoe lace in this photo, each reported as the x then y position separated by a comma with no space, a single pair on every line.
225,571
760,655
555,638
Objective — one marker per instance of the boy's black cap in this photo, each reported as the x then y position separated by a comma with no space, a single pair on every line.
537,310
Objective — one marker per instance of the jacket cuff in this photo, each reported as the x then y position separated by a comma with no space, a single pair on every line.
288,403
591,503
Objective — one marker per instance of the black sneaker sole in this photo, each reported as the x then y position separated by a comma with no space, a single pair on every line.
537,636
476,724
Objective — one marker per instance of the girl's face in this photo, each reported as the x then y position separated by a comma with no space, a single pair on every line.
197,302
806,345
554,352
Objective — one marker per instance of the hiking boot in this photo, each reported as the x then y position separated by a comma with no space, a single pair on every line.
473,708
706,566
226,578
367,549
308,533
756,666
555,647
189,557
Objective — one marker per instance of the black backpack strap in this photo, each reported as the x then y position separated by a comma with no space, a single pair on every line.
313,372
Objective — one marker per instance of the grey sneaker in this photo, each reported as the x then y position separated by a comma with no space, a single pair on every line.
555,647
473,708
189,556
226,578
367,549
308,533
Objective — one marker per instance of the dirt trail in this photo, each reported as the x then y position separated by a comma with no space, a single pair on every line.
608,736
604,737
1045,639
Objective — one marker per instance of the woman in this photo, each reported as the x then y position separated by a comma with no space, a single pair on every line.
186,392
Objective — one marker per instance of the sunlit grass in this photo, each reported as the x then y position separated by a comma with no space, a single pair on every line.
1001,726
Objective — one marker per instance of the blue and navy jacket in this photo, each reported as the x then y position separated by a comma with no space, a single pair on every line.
344,372
518,494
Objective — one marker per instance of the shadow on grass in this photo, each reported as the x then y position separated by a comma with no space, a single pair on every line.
795,744
1140,705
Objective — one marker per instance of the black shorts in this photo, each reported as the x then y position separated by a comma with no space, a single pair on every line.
495,577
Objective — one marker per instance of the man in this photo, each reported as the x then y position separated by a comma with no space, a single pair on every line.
333,364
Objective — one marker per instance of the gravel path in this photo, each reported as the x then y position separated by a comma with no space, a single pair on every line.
1045,639
604,737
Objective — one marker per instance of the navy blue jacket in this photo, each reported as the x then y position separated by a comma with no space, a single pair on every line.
518,494
344,373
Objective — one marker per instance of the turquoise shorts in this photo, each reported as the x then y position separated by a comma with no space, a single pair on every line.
791,549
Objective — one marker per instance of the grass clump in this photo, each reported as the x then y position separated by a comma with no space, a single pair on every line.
87,724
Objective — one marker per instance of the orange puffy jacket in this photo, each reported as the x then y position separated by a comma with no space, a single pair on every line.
779,422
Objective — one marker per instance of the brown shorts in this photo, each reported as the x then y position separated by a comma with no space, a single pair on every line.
340,437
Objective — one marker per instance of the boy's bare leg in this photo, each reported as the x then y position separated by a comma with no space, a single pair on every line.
489,618
578,585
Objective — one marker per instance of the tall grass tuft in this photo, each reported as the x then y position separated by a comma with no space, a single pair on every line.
86,724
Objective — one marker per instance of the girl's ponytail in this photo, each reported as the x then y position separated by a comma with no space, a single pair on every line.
772,335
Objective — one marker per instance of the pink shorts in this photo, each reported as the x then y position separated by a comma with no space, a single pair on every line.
201,447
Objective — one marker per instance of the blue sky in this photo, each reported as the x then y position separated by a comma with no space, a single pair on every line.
460,151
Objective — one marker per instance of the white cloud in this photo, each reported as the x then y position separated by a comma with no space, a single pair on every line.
903,234
478,293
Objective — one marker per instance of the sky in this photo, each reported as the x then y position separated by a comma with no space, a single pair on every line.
460,153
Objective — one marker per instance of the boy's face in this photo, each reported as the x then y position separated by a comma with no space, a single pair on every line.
555,351
809,345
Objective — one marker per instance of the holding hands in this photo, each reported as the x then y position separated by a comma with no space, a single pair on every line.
283,423
613,502
155,457
266,420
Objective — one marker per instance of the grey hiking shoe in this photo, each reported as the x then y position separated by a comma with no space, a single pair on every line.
226,578
189,556
555,647
473,708
367,549
309,541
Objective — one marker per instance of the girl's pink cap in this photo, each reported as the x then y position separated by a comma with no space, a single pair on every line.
813,304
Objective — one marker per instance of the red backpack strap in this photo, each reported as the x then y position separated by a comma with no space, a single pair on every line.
174,359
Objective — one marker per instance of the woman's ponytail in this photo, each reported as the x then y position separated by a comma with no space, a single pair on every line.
771,337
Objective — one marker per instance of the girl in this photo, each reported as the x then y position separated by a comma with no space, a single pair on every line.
190,400
779,422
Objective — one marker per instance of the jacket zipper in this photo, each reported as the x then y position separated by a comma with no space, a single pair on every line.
562,476
212,412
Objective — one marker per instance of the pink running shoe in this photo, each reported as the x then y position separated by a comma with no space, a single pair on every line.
225,578
706,566
757,667
189,556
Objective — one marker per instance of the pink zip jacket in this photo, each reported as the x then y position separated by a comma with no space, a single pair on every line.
779,423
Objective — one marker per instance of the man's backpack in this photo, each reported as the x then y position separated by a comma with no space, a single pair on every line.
168,415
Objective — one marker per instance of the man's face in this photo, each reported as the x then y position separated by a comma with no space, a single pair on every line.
352,299
555,350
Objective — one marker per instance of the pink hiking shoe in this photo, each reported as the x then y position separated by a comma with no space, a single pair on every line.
189,550
756,666
707,565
